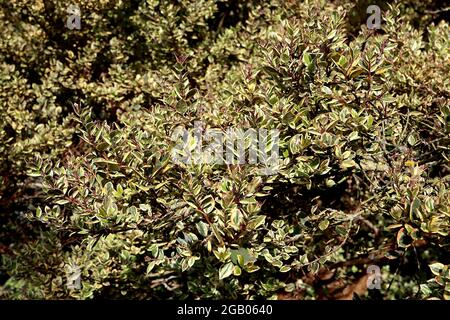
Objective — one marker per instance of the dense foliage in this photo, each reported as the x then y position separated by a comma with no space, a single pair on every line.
89,181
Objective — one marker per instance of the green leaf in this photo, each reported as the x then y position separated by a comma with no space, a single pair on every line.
277,263
208,204
240,260
34,174
38,212
153,249
327,90
216,233
62,201
412,139
307,61
237,271
341,230
255,222
332,34
236,218
251,268
295,145
184,265
226,270
150,266
248,200
348,163
426,291
436,268
342,62
285,268
314,267
202,228
324,224
330,183
353,136
191,261
104,161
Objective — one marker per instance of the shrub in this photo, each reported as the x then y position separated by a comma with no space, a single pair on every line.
363,178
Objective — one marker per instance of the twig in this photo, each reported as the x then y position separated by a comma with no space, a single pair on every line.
437,11
396,271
